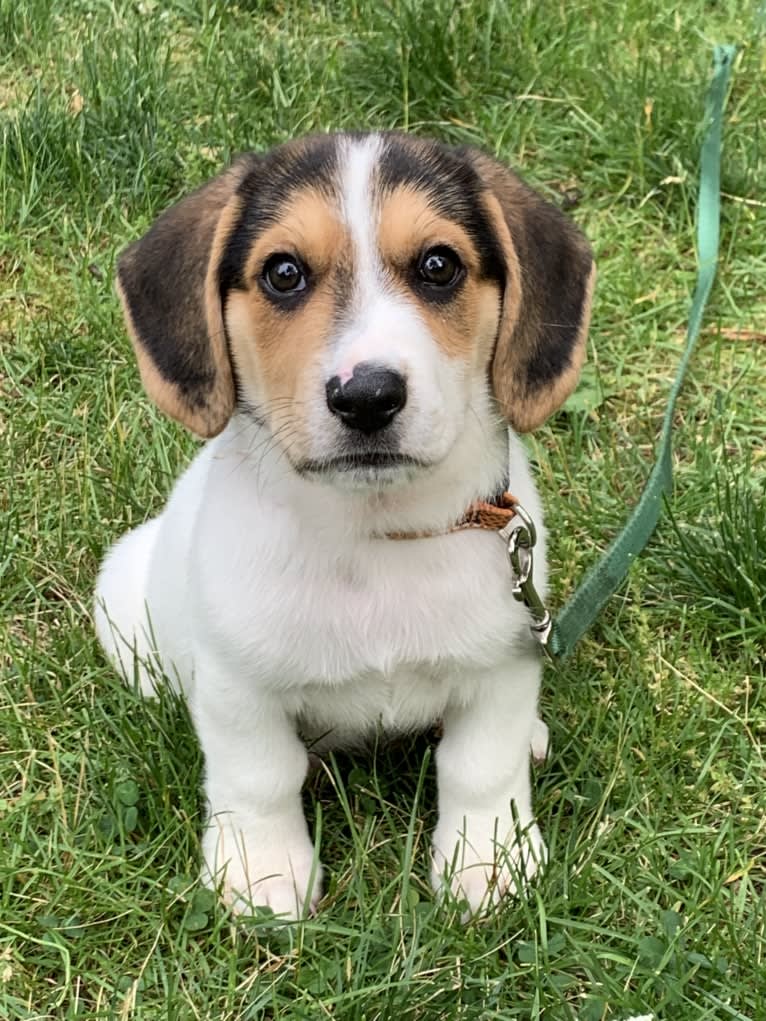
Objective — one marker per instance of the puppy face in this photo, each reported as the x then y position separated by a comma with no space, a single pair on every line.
360,295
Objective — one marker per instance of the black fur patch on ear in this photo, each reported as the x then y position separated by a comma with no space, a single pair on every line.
547,299
556,264
174,317
156,285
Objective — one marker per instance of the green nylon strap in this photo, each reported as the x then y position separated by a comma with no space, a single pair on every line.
607,575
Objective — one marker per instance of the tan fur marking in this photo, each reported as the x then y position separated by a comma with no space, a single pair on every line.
276,355
409,223
466,327
221,402
277,351
308,227
274,350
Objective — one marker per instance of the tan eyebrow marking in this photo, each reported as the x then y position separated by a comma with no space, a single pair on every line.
410,222
310,226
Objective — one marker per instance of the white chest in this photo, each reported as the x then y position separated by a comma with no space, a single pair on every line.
346,630
387,636
312,618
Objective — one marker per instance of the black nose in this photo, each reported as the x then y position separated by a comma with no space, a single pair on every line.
370,399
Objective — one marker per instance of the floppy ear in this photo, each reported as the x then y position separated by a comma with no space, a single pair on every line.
168,284
545,316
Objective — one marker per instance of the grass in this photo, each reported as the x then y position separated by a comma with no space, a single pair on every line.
653,800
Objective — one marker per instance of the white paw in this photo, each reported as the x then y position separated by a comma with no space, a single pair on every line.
261,866
487,866
541,742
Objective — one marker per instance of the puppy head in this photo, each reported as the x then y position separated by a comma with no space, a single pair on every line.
361,295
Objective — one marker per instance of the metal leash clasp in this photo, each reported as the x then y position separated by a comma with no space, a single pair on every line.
521,536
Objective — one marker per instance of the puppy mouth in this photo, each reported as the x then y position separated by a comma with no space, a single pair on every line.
370,464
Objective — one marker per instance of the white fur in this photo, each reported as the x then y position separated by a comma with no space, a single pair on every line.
275,609
359,214
276,605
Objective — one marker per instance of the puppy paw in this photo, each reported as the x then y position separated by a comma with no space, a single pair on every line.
470,865
541,742
260,870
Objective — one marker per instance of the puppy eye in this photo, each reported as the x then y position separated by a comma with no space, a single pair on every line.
439,266
283,274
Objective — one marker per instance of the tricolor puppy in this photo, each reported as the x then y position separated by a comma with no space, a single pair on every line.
363,323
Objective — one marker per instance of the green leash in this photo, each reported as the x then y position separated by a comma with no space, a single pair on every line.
560,636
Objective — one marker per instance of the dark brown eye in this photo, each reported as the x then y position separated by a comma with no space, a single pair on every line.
283,274
439,266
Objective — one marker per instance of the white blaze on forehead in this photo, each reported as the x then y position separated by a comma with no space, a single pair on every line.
381,325
358,159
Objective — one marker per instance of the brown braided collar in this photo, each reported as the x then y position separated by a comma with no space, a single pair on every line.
480,514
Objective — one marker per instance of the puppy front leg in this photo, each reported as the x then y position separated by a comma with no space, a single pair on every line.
486,840
256,840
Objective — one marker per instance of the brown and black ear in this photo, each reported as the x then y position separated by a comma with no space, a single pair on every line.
168,284
550,275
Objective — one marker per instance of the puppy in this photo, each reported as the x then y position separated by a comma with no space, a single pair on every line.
363,322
